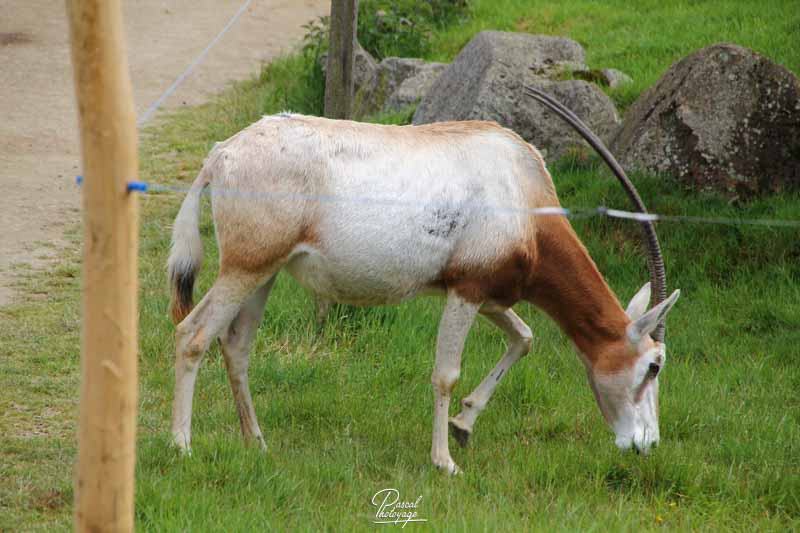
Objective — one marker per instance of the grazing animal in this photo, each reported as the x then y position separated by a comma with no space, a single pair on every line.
411,218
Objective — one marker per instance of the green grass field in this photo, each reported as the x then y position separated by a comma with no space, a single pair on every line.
347,412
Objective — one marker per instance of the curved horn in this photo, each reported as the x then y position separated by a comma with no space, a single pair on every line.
655,262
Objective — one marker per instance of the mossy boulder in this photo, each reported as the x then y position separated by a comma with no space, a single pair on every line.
724,118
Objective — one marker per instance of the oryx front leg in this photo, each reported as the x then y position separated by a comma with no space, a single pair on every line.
520,340
456,321
192,338
236,349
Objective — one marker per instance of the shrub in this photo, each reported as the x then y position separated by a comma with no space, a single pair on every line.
403,28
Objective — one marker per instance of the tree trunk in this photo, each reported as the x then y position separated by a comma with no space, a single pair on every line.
339,86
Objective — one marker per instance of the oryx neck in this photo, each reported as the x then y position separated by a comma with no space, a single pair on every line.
569,288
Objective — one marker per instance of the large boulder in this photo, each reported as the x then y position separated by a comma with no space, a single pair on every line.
486,79
413,88
723,118
365,68
398,82
391,85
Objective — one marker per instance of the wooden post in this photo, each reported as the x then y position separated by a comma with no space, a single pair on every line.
339,86
107,432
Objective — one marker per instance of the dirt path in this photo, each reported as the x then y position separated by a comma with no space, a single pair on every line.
39,150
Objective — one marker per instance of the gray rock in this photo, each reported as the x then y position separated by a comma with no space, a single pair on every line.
723,118
397,69
486,80
415,87
410,76
614,78
365,68
392,84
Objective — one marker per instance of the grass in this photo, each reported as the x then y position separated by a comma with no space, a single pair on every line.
347,412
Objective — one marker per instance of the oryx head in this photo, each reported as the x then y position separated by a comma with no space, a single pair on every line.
628,395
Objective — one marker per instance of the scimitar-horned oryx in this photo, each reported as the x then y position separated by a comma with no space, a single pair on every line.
425,229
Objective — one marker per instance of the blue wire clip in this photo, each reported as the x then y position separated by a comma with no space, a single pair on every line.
138,186
133,186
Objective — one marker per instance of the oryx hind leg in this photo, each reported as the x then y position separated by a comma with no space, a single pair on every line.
322,309
236,343
194,335
520,340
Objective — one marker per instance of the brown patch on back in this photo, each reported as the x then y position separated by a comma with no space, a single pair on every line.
423,134
462,127
449,127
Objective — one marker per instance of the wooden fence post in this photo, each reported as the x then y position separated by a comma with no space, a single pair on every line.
104,484
339,86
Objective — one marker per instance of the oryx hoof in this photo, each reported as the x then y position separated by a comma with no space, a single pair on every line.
184,449
460,432
260,442
449,466
180,442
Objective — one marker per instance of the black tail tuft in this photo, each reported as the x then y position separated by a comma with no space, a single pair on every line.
182,295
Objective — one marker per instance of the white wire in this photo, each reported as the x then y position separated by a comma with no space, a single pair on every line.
538,211
175,84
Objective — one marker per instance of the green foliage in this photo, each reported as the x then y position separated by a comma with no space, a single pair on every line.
397,118
403,28
309,94
315,39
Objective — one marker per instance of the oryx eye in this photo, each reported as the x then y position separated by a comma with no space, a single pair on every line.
653,369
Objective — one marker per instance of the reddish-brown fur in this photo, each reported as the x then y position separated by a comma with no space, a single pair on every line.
238,254
555,272
503,284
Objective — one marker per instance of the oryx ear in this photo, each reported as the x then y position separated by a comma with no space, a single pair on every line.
639,303
647,323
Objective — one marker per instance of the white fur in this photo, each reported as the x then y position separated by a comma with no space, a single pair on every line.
390,210
186,251
638,304
633,419
645,324
453,329
629,399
